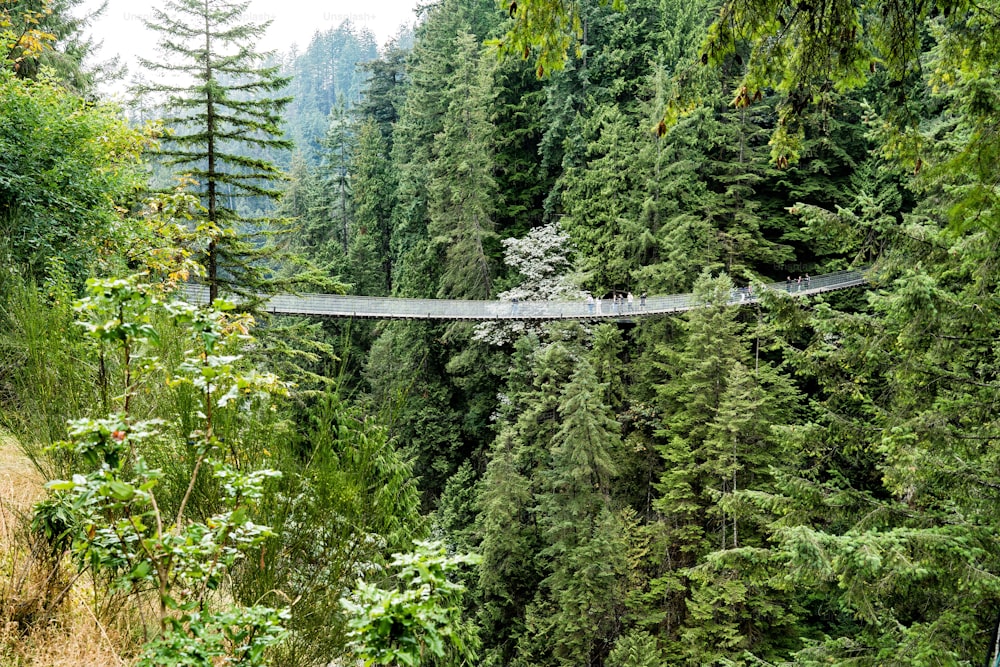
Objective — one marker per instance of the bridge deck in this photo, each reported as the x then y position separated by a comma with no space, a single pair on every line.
336,305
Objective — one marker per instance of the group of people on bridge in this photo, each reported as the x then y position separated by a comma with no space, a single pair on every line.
620,303
797,283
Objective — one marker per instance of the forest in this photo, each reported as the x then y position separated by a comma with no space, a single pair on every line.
800,480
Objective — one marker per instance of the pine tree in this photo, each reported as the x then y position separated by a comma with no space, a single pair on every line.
223,104
636,649
580,601
720,405
420,120
385,91
462,189
373,176
325,76
602,198
337,150
510,535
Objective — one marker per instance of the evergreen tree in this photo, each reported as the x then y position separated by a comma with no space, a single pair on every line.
37,34
576,610
461,188
325,77
602,198
337,150
420,121
522,181
636,649
222,102
369,256
719,407
510,536
385,91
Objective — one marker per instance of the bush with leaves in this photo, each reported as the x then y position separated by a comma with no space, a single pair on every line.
420,623
116,523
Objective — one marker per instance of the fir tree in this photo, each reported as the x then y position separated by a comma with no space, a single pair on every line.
337,150
385,91
462,188
585,548
720,409
223,102
603,197
369,255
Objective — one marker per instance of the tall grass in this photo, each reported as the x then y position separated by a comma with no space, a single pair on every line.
48,373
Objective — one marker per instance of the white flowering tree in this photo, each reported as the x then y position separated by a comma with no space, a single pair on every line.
542,259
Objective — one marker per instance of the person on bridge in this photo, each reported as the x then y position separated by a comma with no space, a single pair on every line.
513,305
642,301
590,303
598,302
631,300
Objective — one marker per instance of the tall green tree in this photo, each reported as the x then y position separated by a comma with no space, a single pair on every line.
462,188
223,102
369,256
337,150
719,587
575,613
385,90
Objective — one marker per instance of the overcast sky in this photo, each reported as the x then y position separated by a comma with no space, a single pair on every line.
293,22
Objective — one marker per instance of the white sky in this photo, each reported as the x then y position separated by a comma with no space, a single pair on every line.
293,22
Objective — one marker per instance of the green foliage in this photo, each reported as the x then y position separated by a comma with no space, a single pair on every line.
347,500
42,380
636,649
602,200
66,168
461,188
420,622
369,256
222,102
118,526
328,74
548,27
23,34
47,36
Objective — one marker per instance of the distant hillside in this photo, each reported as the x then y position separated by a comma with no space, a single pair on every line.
325,74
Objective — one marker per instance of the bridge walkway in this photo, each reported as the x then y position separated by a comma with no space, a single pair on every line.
338,305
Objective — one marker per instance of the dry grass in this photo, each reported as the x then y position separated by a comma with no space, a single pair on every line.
68,636
20,483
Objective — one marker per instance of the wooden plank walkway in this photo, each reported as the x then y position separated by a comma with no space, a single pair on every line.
338,305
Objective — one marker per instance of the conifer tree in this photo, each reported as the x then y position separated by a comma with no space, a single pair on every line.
385,92
636,649
369,255
603,198
578,602
719,412
223,105
510,536
337,150
420,120
304,200
462,189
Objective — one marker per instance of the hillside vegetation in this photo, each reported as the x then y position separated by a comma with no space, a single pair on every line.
798,481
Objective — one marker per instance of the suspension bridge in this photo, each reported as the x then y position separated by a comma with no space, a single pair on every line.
371,307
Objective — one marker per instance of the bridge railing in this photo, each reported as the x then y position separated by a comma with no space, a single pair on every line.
333,305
